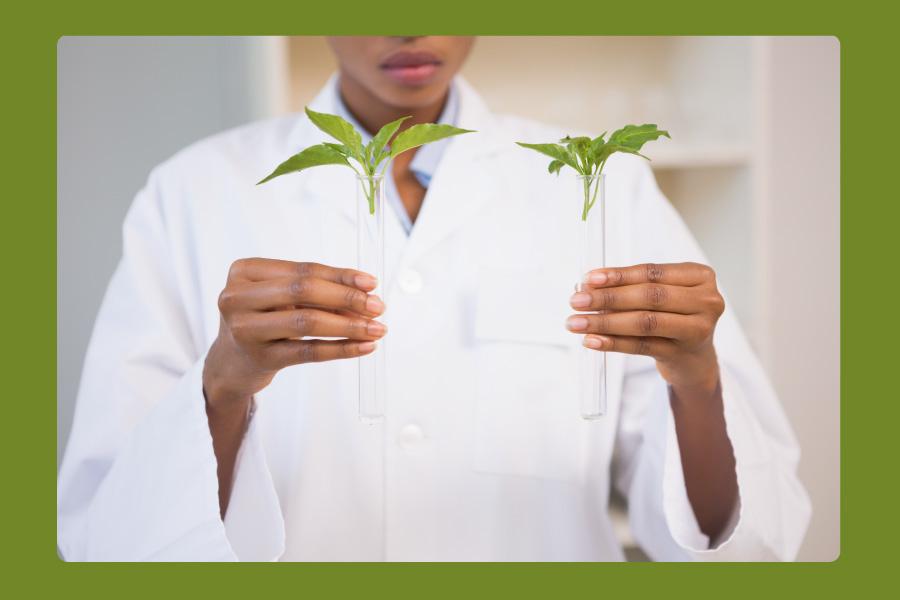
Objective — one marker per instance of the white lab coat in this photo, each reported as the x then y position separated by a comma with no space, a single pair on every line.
482,456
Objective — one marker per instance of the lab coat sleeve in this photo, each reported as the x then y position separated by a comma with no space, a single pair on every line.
773,511
138,481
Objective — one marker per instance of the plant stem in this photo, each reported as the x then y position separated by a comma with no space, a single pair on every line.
587,198
596,189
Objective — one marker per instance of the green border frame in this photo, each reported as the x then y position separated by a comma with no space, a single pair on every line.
866,93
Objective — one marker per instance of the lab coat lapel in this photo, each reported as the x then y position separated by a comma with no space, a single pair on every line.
463,183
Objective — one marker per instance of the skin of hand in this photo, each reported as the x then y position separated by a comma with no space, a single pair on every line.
268,306
668,312
266,309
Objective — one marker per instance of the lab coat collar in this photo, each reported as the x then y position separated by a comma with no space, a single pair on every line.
460,187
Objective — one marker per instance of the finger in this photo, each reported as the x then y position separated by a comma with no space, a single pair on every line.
310,322
656,347
306,291
642,296
294,352
635,323
261,269
684,274
334,311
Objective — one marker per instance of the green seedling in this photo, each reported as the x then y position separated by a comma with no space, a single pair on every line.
369,157
588,156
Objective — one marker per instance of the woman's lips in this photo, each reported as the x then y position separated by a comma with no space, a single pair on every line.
411,68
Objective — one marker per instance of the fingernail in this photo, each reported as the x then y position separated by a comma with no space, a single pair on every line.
592,342
577,323
367,346
580,300
597,278
374,305
366,282
375,328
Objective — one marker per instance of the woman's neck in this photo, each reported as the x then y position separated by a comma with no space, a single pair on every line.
373,114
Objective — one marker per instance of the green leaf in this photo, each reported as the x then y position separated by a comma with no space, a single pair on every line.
596,144
313,156
425,133
366,164
370,162
631,151
339,147
384,136
635,136
555,166
581,144
556,152
594,152
611,148
340,130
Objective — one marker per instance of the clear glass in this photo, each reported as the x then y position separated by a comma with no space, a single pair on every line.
590,198
370,248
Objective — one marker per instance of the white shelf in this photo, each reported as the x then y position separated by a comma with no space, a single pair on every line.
670,156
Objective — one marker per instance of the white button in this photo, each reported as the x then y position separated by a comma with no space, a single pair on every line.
411,437
411,281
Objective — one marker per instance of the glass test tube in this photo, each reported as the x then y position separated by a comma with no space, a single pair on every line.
370,232
591,255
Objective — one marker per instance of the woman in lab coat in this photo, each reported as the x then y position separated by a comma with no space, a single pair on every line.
199,435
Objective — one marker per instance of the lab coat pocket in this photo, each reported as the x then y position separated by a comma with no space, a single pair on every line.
526,411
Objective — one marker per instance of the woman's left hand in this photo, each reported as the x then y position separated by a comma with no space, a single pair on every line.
668,312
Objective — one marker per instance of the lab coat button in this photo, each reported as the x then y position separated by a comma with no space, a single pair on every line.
411,281
411,437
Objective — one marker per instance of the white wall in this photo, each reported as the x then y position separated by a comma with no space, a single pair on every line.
123,106
800,270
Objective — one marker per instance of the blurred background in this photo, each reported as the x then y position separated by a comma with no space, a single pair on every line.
753,167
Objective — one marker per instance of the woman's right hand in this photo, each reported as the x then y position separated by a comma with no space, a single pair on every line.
269,306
